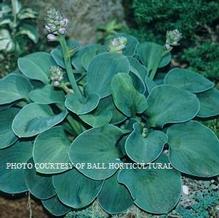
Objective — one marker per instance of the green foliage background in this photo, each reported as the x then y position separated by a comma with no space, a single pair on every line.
196,19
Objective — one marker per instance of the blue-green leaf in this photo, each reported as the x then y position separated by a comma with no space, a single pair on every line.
47,95
97,145
76,190
209,103
114,197
126,98
168,104
194,149
188,80
101,71
34,118
153,190
51,146
36,66
12,179
55,207
145,149
14,87
7,136
39,185
80,104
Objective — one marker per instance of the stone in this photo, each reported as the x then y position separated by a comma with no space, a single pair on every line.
84,15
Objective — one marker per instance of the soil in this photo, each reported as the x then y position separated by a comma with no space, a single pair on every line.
17,207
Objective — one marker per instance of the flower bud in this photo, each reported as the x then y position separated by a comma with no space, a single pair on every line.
56,75
55,24
118,44
62,31
51,37
172,38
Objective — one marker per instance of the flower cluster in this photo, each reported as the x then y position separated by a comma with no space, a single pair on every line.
172,38
55,24
118,44
56,75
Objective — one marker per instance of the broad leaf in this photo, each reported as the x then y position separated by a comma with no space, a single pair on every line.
126,98
51,146
85,55
209,103
145,149
194,149
101,116
55,207
76,190
80,104
14,87
7,136
12,179
47,95
114,197
38,185
36,66
101,71
97,145
153,190
34,118
168,104
151,55
187,80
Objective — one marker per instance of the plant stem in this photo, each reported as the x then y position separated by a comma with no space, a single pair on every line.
68,66
75,125
154,70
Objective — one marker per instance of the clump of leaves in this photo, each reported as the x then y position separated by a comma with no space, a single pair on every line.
17,27
94,104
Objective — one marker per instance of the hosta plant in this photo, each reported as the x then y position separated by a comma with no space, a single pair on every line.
110,123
